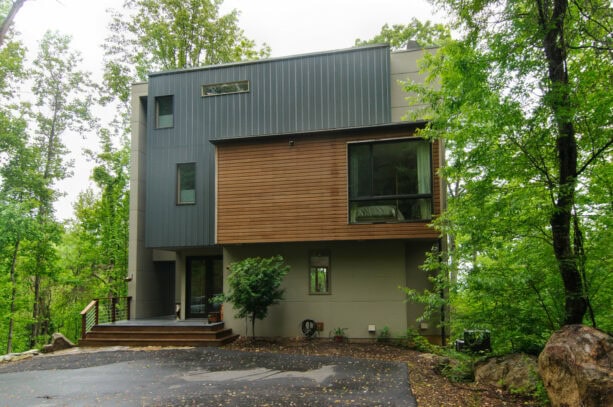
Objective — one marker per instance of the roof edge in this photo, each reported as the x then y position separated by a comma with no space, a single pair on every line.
269,60
395,125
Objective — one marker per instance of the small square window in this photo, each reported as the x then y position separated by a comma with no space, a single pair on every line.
186,184
319,272
164,112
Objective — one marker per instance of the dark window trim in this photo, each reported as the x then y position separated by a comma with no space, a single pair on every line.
205,93
178,181
328,253
372,142
208,260
157,112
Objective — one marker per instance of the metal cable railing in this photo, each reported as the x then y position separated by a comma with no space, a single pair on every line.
104,310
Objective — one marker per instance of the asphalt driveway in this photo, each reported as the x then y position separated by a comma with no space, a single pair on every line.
202,377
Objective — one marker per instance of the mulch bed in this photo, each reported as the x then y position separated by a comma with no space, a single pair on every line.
429,387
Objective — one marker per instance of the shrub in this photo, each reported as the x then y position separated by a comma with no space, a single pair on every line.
254,286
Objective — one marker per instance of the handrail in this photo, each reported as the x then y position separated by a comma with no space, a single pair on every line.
89,318
104,310
89,307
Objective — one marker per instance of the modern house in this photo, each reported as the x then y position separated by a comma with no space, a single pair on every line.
304,156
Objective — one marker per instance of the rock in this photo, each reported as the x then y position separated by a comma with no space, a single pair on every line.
13,357
576,367
516,372
58,342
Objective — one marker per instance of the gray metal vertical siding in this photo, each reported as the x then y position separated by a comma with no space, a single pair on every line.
333,90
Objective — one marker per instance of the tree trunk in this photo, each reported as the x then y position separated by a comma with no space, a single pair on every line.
551,20
9,343
43,219
35,311
4,27
253,326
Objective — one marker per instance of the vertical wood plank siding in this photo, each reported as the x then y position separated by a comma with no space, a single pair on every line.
334,90
269,191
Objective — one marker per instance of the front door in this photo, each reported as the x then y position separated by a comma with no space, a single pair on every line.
204,280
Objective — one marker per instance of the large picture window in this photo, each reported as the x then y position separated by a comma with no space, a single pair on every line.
390,181
186,183
164,112
319,272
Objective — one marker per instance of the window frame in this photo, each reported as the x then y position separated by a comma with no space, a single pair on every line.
157,111
313,267
178,198
390,197
206,94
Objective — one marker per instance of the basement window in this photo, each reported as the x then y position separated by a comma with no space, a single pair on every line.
226,88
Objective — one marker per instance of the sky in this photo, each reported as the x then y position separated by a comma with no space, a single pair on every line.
289,27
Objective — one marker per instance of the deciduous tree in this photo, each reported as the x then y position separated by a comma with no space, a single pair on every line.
524,107
255,285
154,35
63,99
399,36
8,11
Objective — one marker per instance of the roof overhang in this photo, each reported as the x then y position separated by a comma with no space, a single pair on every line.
397,126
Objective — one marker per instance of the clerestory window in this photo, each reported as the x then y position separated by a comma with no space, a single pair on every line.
226,88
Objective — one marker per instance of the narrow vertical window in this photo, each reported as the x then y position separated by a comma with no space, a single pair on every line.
186,183
319,272
164,112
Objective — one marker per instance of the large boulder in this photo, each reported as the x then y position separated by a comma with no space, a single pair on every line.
516,372
58,342
576,367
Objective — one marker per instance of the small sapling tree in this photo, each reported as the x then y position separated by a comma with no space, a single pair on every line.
255,285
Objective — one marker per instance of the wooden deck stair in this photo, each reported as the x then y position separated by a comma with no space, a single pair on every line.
158,335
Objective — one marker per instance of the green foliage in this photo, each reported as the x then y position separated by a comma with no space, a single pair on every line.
398,36
255,285
440,269
338,332
528,241
457,367
31,163
94,249
153,35
8,11
18,186
413,340
102,220
12,55
540,393
384,335
63,101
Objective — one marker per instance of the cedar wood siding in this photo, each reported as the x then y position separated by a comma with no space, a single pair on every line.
271,191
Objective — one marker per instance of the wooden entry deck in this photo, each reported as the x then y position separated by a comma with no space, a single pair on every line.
163,331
